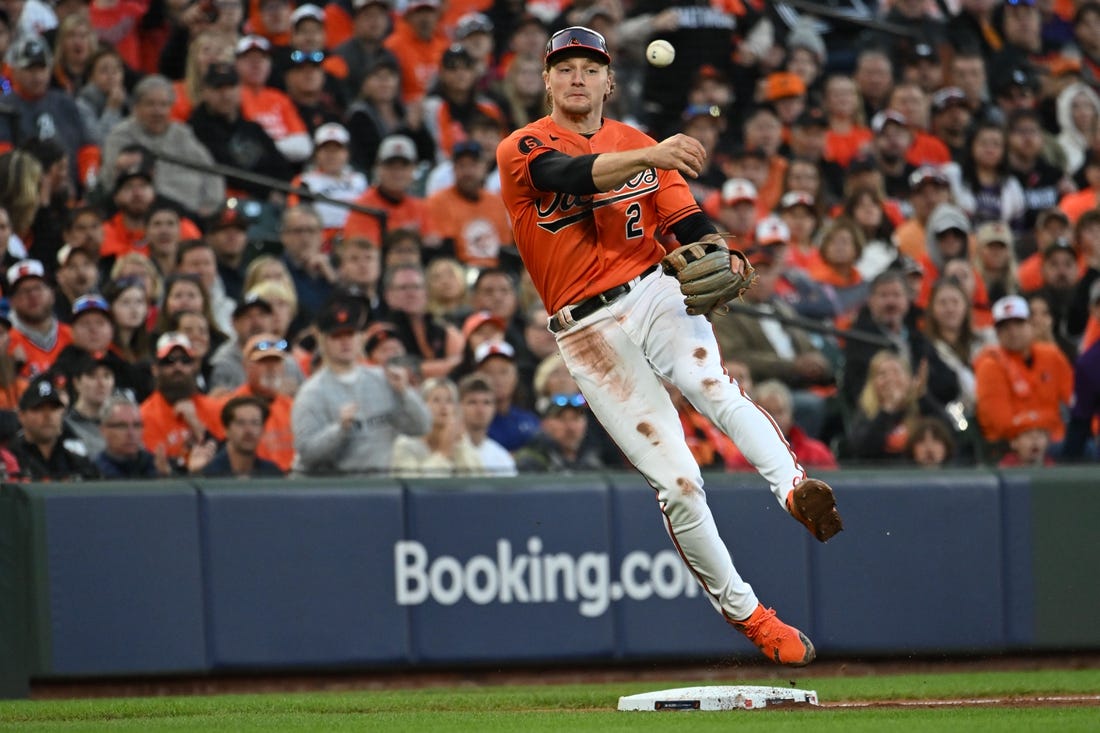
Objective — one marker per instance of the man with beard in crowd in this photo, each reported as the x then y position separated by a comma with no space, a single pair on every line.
38,447
177,418
266,379
77,274
37,337
244,419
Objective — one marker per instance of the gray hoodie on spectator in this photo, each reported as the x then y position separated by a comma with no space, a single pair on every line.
323,447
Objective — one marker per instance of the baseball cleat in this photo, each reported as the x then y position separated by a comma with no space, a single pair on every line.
779,642
812,503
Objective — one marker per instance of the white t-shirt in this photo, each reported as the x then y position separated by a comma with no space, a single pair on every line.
497,461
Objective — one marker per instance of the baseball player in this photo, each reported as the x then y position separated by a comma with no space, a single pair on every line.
587,196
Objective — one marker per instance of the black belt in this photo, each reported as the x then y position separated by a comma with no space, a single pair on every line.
588,306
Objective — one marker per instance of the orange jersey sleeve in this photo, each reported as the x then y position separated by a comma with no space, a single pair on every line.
575,247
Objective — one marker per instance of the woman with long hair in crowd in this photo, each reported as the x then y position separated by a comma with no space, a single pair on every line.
206,48
130,310
21,191
982,186
995,260
448,295
378,111
74,47
948,326
523,92
848,133
839,250
866,207
141,267
446,450
185,293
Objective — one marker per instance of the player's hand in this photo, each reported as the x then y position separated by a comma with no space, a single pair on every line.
679,153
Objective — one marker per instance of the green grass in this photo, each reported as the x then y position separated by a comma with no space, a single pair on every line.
578,708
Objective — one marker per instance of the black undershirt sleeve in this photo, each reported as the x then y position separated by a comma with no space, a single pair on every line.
556,171
692,228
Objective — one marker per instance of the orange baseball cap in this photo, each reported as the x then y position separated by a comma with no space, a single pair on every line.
783,84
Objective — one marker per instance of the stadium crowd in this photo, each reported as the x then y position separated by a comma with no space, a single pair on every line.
918,193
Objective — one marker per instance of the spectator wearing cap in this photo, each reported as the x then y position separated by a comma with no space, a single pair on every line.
799,212
560,446
37,337
1078,110
382,344
995,259
478,407
1020,381
251,317
271,20
786,91
267,367
471,221
194,56
267,106
123,455
227,235
330,175
950,119
243,419
91,381
310,268
487,131
736,210
378,113
31,99
311,90
133,195
982,186
891,142
479,327
924,67
392,193
437,343
1043,183
39,447
929,187
887,314
474,31
706,124
76,275
418,41
908,99
347,416
512,425
370,26
455,97
1059,272
927,28
151,126
1013,86
309,34
446,449
848,134
947,237
177,417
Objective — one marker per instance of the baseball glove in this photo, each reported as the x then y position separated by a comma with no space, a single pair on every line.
706,279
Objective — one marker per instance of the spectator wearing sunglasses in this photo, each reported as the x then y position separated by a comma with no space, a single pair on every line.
308,87
560,445
123,456
177,417
268,106
267,379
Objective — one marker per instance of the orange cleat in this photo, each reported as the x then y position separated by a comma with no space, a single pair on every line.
779,642
812,503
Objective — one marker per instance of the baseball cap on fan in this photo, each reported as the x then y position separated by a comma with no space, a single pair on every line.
772,230
736,190
489,349
171,341
397,147
29,52
577,40
1010,308
331,132
24,270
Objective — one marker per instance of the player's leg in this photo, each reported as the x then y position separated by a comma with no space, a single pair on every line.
631,403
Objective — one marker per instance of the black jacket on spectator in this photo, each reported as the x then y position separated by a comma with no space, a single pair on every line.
137,378
62,465
142,465
943,384
243,144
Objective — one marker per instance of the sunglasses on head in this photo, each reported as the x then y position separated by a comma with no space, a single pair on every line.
305,57
578,38
567,400
280,345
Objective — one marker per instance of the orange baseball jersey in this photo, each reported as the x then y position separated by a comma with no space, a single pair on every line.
575,247
1014,392
409,213
479,228
164,427
35,359
273,111
277,443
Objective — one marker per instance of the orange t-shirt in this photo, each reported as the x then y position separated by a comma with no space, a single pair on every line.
164,427
1030,272
842,147
419,59
37,360
273,110
479,228
927,150
575,247
183,106
912,239
277,443
119,241
409,213
1012,393
1077,203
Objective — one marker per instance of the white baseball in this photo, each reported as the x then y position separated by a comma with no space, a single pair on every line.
660,53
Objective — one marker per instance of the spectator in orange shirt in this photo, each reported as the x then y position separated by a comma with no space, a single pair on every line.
911,101
472,222
418,42
36,337
798,210
1020,382
177,418
1052,226
266,379
124,232
847,136
928,188
266,105
391,193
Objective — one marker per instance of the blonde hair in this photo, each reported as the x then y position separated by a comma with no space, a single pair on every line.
868,397
156,290
65,28
20,180
274,290
192,80
252,272
435,305
543,371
